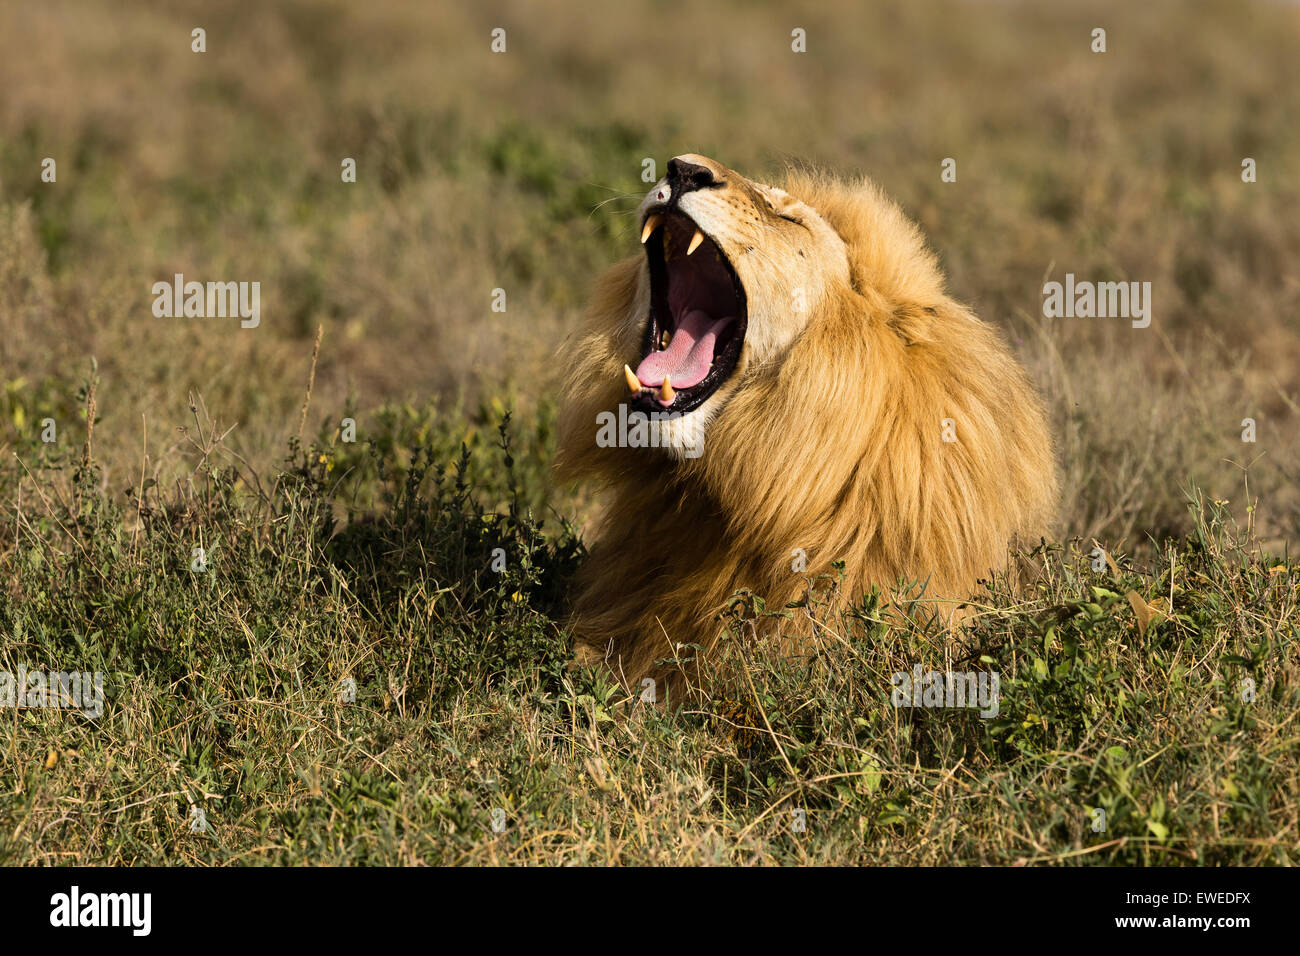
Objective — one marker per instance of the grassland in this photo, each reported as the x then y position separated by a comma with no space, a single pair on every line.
1162,689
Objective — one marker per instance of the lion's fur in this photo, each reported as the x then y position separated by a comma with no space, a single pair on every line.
834,446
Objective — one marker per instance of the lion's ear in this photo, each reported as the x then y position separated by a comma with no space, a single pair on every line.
913,323
781,202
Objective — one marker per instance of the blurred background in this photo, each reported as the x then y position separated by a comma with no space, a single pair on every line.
520,171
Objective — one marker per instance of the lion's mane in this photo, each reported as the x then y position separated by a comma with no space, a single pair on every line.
835,451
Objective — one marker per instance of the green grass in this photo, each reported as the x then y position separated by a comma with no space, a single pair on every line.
223,689
372,560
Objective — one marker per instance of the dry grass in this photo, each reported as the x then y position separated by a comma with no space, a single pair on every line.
479,172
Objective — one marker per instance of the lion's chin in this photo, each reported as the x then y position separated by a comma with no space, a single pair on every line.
682,437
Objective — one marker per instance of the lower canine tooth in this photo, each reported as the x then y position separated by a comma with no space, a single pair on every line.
651,224
666,392
665,339
695,242
633,382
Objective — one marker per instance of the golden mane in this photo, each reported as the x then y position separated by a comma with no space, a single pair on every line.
835,450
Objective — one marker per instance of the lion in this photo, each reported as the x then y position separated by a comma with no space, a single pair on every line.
780,383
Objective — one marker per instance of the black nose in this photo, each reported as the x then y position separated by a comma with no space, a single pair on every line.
684,177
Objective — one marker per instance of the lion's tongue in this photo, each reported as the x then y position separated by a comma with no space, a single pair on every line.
689,353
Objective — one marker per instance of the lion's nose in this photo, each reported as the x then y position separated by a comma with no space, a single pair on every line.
685,177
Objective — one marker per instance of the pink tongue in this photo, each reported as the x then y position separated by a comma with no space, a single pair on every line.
688,355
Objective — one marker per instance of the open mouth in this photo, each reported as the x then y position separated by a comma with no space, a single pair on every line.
697,317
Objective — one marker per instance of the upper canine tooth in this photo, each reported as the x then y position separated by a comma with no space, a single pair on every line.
695,242
666,392
633,382
665,339
651,224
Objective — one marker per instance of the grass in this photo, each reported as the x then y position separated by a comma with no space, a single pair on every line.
1163,695
329,560
518,171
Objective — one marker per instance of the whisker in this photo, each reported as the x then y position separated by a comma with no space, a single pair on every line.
605,202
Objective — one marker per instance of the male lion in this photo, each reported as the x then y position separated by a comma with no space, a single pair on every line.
826,399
